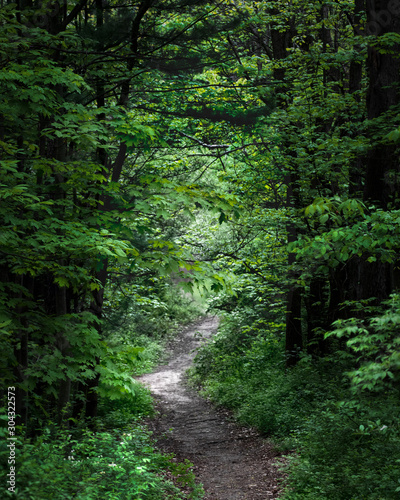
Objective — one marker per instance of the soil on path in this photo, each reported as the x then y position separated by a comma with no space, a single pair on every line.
232,462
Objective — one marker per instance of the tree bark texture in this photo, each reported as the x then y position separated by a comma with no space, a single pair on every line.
383,66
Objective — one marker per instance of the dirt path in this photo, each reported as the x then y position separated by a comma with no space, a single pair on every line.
231,462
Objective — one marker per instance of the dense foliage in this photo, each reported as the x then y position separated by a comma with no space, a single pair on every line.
251,144
116,459
308,347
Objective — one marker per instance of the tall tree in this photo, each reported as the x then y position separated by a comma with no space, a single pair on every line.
72,79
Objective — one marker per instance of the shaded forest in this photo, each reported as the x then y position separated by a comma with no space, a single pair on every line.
250,146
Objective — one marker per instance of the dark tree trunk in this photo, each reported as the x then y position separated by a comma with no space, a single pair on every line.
383,94
64,392
356,171
382,163
281,40
317,317
21,353
294,335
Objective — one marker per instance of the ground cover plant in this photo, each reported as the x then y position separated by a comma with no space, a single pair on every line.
115,456
115,459
342,442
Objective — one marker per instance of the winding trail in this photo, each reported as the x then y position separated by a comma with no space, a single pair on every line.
232,462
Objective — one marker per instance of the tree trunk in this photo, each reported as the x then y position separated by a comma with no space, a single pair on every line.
383,94
317,317
21,353
382,163
294,335
64,391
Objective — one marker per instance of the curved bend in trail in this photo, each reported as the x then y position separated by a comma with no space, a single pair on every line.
231,462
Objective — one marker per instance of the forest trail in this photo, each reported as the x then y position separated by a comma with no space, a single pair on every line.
232,462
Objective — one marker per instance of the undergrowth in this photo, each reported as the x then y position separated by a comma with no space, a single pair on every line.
340,444
149,320
115,460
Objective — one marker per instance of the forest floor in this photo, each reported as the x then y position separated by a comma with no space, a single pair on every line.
231,462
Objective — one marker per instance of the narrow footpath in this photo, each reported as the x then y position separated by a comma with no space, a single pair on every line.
232,462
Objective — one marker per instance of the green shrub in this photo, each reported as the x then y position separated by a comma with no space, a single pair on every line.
154,310
119,413
118,461
144,322
347,442
92,466
345,456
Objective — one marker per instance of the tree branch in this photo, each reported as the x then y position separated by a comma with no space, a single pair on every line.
204,144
